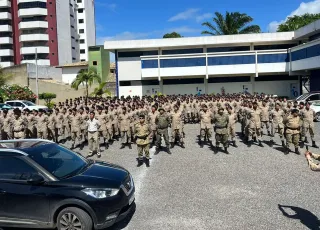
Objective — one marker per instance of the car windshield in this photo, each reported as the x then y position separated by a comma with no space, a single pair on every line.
29,103
301,97
57,160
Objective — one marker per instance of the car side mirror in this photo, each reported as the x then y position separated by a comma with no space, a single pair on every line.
35,179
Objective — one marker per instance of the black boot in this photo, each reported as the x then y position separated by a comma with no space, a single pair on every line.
249,144
201,144
314,145
182,145
235,144
302,144
216,149
269,134
283,144
81,146
271,143
260,144
140,163
306,140
168,150
286,151
157,151
122,146
72,146
148,163
106,145
226,150
130,147
297,151
172,145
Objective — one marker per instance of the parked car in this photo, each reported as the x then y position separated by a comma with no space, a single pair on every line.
5,106
308,97
44,185
316,107
21,104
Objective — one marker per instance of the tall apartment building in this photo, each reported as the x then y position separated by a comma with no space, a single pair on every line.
52,27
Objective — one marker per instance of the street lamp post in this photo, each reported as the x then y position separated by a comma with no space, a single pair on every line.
37,86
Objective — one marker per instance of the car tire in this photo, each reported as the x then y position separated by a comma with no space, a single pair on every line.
317,117
74,217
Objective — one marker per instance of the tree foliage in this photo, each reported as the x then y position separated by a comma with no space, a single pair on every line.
101,90
16,92
231,23
48,97
86,77
172,35
297,21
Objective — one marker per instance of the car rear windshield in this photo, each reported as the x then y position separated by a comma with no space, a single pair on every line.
57,160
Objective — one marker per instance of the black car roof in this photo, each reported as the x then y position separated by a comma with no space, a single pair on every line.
17,146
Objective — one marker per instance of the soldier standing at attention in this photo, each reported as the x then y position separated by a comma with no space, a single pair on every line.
76,121
292,124
277,126
265,117
232,126
51,125
103,132
58,126
83,126
66,124
6,132
221,121
176,126
308,116
18,125
142,134
205,124
31,124
163,122
254,124
93,125
42,125
124,120
152,121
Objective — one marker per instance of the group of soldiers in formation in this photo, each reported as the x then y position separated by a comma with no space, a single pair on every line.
144,121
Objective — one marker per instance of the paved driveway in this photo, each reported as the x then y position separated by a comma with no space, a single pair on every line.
196,189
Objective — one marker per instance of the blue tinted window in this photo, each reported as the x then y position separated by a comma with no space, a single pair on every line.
309,52
137,53
231,60
273,58
182,51
182,62
299,54
313,51
147,64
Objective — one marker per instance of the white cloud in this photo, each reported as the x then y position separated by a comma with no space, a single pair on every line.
204,16
122,36
312,7
190,13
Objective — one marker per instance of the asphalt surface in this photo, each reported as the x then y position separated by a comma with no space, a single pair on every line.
196,189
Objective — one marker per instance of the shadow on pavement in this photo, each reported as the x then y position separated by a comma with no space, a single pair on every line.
306,217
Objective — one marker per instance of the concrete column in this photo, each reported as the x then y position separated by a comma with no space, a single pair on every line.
206,86
253,80
161,85
251,46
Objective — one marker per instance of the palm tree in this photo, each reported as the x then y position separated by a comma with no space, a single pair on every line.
231,23
86,77
101,90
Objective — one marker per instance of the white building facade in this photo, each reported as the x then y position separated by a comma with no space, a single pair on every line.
273,63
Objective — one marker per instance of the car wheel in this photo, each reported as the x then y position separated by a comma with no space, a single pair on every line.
317,118
74,219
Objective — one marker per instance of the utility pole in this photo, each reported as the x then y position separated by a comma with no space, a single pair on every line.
37,86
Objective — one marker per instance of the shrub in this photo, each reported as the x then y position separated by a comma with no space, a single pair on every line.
48,97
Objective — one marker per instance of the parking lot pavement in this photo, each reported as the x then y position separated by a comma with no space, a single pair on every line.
196,189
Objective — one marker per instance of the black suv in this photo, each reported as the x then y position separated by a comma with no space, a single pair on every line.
44,185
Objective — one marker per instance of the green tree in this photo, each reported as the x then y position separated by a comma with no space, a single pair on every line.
172,35
48,97
101,90
86,77
231,23
297,21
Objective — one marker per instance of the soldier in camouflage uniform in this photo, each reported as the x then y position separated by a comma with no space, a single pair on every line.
308,116
163,122
18,125
221,121
142,136
292,124
42,125
176,126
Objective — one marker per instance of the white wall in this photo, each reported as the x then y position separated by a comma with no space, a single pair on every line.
129,68
231,69
233,87
183,71
273,67
70,73
306,64
183,89
280,88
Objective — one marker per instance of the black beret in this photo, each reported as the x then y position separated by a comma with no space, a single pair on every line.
295,111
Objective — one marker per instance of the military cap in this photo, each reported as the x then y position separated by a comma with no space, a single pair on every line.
160,109
204,106
16,110
92,112
294,111
74,109
5,110
301,103
221,108
41,111
142,116
27,110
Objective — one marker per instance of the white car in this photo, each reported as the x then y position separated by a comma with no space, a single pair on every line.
22,105
316,107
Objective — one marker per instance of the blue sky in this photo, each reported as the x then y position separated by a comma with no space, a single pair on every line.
142,19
